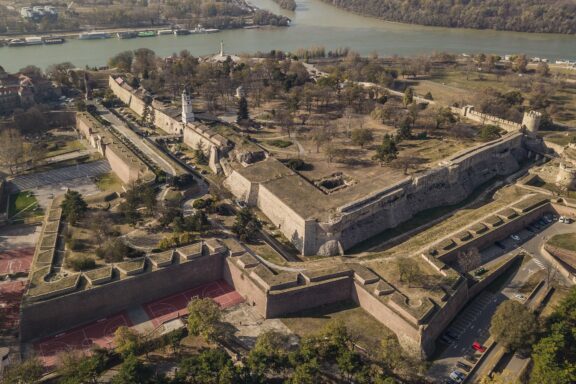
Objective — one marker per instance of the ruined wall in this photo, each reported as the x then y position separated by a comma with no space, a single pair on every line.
449,184
61,313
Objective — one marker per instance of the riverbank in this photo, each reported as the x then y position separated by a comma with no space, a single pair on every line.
314,23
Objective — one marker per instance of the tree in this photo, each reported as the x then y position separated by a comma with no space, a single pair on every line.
128,341
242,115
75,367
133,371
405,129
29,371
513,325
306,373
408,270
199,154
408,96
73,207
362,136
469,259
554,354
211,366
31,122
11,149
543,69
247,225
122,61
387,151
204,319
489,132
520,64
269,354
406,162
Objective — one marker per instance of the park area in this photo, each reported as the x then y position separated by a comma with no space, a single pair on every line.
100,333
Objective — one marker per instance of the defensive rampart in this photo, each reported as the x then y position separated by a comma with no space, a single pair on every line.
125,164
314,233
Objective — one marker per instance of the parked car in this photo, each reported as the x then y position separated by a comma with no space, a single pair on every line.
478,347
452,335
480,271
463,366
499,245
515,237
520,297
456,376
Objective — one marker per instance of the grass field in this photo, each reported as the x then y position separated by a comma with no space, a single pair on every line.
20,201
108,182
564,241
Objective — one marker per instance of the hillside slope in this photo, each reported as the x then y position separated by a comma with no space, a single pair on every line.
558,16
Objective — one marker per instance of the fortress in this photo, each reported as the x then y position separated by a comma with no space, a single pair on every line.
328,221
328,224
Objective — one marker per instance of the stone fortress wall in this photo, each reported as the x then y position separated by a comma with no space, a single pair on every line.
531,120
56,302
194,133
359,220
124,163
52,305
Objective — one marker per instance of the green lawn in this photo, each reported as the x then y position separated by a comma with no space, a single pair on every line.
20,201
564,241
109,182
279,143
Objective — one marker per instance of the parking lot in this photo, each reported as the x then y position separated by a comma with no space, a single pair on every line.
473,323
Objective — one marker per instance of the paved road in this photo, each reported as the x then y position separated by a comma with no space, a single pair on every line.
61,175
138,141
473,323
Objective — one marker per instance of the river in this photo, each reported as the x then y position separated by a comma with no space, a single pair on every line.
313,24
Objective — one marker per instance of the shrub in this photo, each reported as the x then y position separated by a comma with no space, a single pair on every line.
81,263
280,143
76,245
296,164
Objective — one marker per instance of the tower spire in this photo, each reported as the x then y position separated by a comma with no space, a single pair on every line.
187,111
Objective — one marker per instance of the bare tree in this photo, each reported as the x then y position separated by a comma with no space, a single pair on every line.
469,259
11,149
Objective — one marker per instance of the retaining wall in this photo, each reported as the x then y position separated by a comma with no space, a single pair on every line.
48,317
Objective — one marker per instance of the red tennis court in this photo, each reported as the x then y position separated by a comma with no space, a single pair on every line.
174,306
97,334
16,261
10,296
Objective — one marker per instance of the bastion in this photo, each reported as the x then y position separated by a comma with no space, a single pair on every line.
328,223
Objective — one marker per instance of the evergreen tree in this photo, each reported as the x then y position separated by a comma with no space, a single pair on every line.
243,113
73,206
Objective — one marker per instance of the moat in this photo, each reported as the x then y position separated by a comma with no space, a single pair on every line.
313,24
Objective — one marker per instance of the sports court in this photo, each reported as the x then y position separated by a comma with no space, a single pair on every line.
97,334
174,306
16,261
10,296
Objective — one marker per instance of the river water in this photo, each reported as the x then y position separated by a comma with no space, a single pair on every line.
314,24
